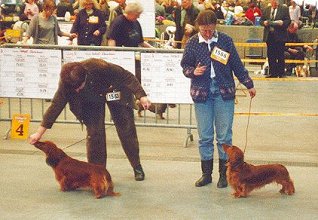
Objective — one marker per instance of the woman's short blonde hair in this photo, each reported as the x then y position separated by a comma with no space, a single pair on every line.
134,7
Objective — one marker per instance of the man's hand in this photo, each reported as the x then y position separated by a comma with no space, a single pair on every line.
145,102
37,135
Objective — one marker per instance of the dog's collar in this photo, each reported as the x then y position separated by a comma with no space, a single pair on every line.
237,165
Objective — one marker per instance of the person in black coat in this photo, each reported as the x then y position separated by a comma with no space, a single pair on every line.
276,20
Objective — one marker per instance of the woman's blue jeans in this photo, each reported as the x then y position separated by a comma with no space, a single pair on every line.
214,116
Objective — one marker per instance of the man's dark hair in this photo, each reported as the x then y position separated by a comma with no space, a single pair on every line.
73,74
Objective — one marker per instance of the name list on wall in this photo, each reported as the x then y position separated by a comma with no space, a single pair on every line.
125,59
163,80
29,73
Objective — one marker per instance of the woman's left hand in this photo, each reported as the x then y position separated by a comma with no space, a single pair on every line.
96,33
252,92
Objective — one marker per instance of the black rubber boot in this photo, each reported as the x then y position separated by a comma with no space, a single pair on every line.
222,183
207,168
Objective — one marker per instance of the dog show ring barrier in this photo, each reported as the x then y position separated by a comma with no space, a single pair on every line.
30,73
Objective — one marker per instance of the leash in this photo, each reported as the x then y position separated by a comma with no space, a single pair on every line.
82,140
248,123
128,105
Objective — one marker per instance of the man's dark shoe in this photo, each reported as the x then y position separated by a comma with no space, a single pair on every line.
139,173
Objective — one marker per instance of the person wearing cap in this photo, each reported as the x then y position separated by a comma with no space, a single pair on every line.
86,86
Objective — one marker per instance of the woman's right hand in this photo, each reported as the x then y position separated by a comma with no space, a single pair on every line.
199,70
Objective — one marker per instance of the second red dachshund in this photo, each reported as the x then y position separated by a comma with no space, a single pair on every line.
244,177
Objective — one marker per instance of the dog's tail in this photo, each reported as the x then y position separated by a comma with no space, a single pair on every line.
109,185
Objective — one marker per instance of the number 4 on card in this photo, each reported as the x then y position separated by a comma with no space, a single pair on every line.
20,126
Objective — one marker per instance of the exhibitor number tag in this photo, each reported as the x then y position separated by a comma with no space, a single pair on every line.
220,55
113,96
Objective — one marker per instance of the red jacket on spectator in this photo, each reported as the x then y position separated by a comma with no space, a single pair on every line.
252,12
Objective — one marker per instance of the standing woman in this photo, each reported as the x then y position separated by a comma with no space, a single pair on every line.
90,24
44,27
125,30
209,60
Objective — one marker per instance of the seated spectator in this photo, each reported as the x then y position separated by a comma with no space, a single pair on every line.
185,16
309,11
200,4
170,8
238,9
295,12
62,7
159,9
217,10
252,12
294,52
31,9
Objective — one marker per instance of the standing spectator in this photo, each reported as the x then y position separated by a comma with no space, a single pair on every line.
295,12
44,28
104,7
185,16
252,12
31,9
213,90
275,19
125,30
90,24
84,86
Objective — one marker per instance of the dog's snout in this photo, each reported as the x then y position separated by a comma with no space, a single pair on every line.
38,144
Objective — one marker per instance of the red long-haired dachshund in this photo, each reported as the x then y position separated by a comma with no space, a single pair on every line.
244,177
73,174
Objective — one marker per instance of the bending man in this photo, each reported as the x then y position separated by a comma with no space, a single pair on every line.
85,86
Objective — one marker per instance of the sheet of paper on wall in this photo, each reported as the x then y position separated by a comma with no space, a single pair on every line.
162,78
125,59
29,73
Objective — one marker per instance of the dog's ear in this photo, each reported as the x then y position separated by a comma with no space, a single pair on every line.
52,162
239,155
